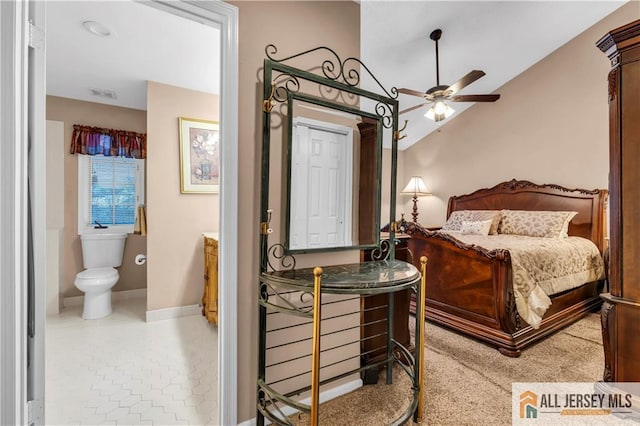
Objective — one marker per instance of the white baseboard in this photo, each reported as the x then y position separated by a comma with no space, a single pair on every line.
325,396
177,312
115,295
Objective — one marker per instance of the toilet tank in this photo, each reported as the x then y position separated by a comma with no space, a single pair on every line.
102,250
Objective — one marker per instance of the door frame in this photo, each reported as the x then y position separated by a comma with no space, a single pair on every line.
14,112
346,169
13,208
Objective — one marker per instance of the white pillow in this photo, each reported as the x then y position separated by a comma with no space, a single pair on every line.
457,217
478,228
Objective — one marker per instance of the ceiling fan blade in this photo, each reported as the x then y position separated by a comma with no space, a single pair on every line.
464,82
475,98
412,92
413,107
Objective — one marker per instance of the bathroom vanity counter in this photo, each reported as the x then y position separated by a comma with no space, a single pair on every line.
211,235
210,295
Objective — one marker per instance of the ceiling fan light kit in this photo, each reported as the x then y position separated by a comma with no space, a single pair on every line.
439,95
439,111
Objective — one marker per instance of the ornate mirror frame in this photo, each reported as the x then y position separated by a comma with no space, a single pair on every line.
377,178
337,84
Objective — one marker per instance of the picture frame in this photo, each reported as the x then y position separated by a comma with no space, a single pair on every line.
199,155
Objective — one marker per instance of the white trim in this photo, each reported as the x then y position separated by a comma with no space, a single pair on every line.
36,376
85,163
225,16
138,293
54,271
325,396
13,208
323,125
177,312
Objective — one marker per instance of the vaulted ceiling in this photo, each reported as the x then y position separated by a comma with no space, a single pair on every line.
502,38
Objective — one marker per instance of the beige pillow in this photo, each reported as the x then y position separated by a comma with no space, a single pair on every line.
477,228
457,217
548,224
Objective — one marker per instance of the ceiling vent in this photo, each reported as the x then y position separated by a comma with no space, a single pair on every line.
104,93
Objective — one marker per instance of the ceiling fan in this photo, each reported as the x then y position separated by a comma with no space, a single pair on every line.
438,95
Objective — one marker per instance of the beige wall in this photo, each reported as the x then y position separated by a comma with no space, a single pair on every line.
292,27
72,112
549,126
175,221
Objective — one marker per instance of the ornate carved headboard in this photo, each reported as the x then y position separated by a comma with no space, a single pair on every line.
524,195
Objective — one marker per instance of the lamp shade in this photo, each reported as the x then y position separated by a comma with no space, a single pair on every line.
416,186
439,111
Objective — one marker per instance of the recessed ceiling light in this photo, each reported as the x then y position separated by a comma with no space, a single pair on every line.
96,28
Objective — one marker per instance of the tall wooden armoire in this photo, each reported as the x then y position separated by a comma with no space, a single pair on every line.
621,308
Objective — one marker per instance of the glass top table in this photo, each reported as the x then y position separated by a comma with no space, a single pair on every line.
374,277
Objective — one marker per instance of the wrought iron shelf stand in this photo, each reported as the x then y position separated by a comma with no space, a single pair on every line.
292,300
359,279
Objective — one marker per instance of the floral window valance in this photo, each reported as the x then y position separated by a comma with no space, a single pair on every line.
110,142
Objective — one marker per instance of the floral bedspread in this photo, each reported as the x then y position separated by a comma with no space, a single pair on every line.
542,267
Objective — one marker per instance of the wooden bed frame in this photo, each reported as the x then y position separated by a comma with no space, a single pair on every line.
469,289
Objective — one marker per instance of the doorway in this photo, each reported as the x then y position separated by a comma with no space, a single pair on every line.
25,105
321,185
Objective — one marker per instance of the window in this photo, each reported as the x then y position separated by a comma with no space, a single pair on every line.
109,191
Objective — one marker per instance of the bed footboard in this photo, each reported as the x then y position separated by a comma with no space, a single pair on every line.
469,290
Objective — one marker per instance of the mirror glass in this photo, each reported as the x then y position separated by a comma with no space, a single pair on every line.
334,156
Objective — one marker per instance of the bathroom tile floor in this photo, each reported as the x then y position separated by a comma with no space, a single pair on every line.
121,370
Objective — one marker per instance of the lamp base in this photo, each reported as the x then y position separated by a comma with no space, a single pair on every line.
414,213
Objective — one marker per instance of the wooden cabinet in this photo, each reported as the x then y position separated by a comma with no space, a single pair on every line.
210,296
367,191
621,309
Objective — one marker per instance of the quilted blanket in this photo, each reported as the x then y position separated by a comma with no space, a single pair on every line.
542,267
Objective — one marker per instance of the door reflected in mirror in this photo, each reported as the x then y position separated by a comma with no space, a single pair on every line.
334,174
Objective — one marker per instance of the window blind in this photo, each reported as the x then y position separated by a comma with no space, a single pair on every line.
112,199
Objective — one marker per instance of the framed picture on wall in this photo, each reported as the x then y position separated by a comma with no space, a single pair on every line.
199,155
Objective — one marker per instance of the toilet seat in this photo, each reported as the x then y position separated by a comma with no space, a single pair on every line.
97,276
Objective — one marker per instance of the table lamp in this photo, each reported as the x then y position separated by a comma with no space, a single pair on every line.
415,187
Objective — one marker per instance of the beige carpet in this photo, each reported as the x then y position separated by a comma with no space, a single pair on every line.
469,383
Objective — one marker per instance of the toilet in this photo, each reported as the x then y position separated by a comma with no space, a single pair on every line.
101,254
